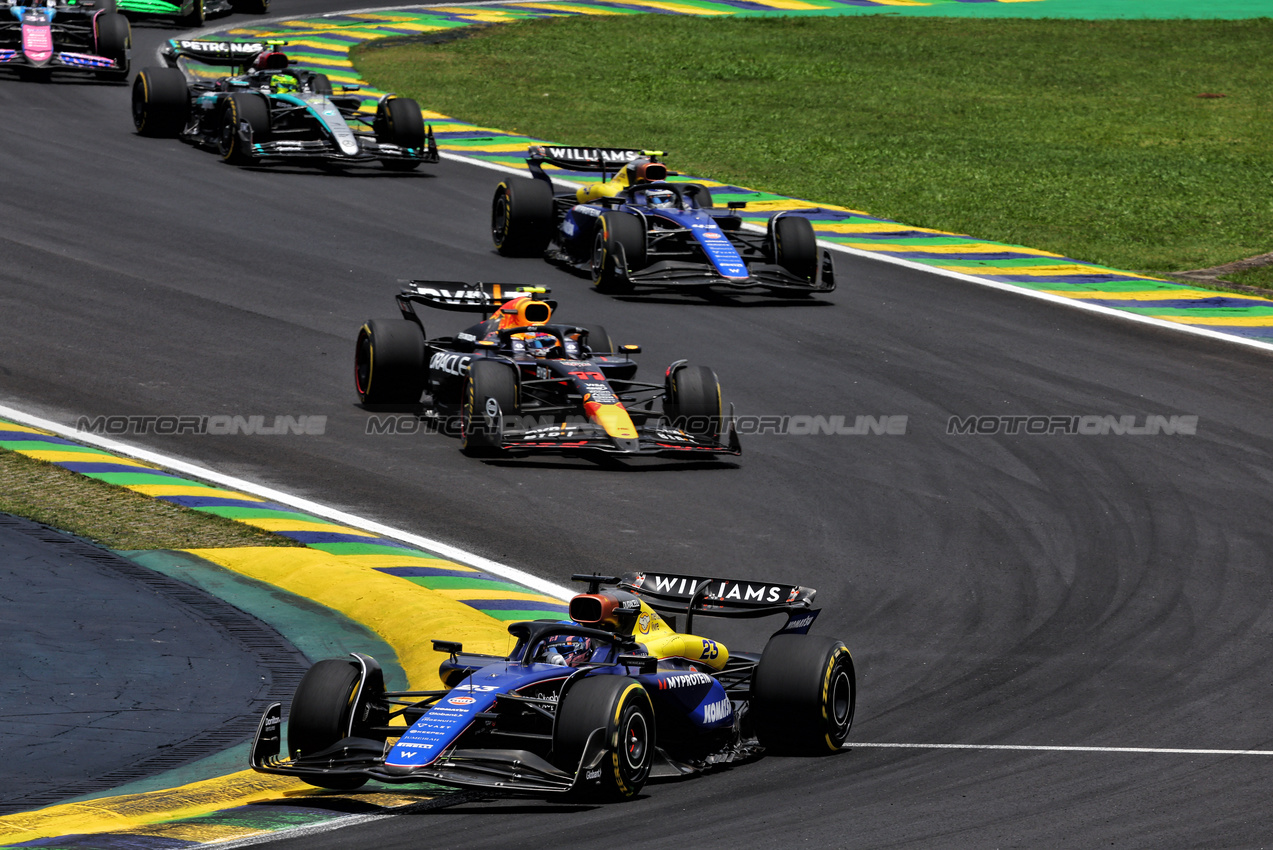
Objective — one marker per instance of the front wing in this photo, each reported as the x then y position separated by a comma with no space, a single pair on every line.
586,438
369,150
62,60
515,772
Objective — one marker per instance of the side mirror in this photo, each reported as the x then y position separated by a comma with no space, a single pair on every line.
447,646
630,349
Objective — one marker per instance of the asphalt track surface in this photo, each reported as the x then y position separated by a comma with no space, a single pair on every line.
1094,591
116,672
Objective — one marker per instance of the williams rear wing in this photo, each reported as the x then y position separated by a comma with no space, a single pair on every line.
585,159
717,597
458,296
722,597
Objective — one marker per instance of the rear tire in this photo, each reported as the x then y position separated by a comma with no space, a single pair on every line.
389,362
113,39
489,383
617,233
244,108
522,218
399,122
161,102
803,694
692,401
622,707
320,716
794,245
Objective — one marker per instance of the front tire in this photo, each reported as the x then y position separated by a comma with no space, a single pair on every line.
600,341
522,218
795,246
161,102
196,17
618,247
389,362
244,108
692,401
113,39
803,695
320,84
399,122
490,390
320,716
622,708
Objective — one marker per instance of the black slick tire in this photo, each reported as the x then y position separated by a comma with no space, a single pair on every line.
490,388
113,39
803,693
618,246
196,17
795,246
622,708
692,401
389,362
522,218
399,122
243,108
320,716
161,102
320,84
600,341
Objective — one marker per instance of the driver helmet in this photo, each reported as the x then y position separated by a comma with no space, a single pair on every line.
661,198
540,344
284,84
566,650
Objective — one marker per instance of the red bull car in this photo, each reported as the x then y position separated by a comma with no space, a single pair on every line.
592,706
635,229
519,382
89,37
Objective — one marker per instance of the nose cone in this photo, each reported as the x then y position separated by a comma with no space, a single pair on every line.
615,420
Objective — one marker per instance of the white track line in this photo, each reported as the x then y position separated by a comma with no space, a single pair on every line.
457,554
1051,749
437,547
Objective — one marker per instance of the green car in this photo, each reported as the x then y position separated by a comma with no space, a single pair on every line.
191,13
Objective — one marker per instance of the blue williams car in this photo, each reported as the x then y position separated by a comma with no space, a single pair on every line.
592,706
272,110
634,228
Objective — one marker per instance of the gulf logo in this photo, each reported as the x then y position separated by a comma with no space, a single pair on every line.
711,234
461,700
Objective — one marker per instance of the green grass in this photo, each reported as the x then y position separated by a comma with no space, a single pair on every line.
1084,138
112,516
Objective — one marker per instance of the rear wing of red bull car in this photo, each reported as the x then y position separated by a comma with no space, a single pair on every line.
462,297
